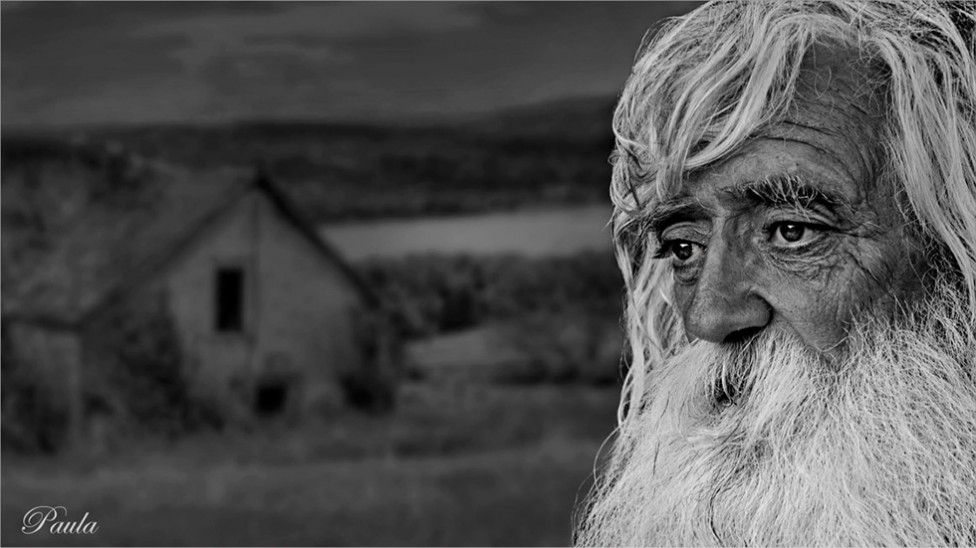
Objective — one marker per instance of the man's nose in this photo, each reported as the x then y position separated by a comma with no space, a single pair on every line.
724,304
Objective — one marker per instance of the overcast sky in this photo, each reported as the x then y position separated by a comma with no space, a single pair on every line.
108,62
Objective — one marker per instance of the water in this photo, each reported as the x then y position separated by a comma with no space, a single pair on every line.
538,233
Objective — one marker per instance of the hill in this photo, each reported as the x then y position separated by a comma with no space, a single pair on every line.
549,154
575,119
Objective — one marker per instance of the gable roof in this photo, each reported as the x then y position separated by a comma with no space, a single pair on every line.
263,182
115,244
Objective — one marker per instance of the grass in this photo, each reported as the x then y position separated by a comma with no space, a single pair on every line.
456,465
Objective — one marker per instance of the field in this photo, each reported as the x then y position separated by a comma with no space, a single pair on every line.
457,464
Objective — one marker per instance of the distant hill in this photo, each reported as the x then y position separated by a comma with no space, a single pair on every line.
539,155
576,119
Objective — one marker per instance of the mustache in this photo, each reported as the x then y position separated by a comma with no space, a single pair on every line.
707,380
734,374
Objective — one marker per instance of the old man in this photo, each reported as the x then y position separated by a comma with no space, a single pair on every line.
795,219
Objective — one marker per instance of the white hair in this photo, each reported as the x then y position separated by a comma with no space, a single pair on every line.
709,80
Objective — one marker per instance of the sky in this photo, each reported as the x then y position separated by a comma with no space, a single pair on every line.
78,63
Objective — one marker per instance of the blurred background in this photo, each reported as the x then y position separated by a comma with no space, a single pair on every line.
283,273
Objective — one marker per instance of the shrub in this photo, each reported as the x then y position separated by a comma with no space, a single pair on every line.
138,355
432,294
30,420
568,347
373,384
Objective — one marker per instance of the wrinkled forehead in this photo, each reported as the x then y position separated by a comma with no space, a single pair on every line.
835,122
841,97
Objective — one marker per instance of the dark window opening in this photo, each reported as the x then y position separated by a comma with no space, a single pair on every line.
230,300
270,398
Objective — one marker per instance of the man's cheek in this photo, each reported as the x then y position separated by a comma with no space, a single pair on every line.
813,265
820,299
884,276
810,294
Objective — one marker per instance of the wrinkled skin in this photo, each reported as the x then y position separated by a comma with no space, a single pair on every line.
748,258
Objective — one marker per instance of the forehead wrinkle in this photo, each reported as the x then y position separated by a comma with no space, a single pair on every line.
861,167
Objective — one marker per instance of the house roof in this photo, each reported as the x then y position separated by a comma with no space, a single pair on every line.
116,243
286,207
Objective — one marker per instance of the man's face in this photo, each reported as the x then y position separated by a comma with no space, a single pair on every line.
795,233
803,409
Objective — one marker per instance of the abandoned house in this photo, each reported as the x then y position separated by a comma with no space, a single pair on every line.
263,317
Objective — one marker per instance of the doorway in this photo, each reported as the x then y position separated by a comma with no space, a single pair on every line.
271,398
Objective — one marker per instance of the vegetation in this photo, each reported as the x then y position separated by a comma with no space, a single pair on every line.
137,376
427,295
566,348
31,419
372,384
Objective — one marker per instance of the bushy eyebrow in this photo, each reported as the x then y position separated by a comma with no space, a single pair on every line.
785,191
674,210
780,191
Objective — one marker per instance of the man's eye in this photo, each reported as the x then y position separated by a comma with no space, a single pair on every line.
680,250
789,234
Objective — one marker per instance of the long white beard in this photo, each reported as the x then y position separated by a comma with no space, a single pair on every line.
877,449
